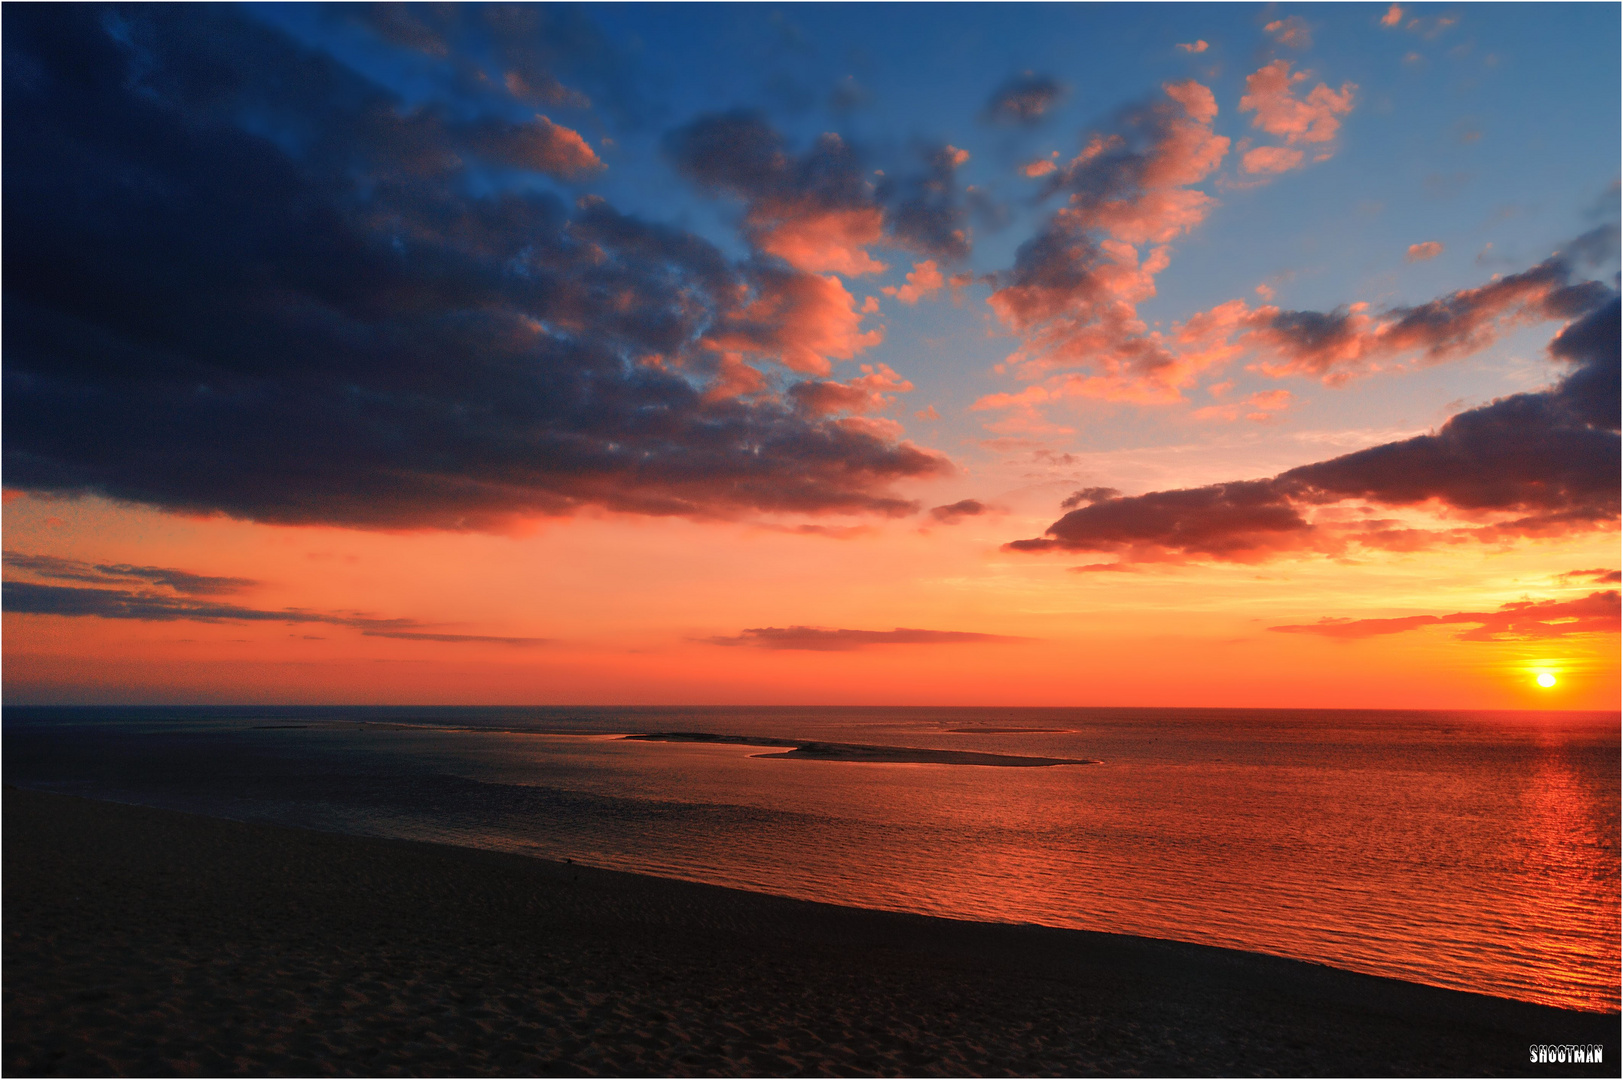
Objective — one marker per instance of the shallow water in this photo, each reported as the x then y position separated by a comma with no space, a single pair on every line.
1471,850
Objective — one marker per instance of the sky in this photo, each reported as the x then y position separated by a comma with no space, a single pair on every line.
1071,355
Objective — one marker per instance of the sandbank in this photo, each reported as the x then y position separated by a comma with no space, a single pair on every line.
895,755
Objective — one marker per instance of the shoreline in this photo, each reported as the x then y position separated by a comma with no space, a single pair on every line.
145,940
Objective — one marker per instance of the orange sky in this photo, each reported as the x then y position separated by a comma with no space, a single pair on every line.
626,605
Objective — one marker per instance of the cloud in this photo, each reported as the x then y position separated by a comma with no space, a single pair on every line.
819,639
253,281
1024,100
1430,249
953,513
1073,292
1292,32
1339,344
1522,620
803,321
1314,119
924,210
868,392
1600,577
1271,159
73,601
1087,496
1393,16
923,280
55,568
541,146
818,210
522,52
1532,464
1258,407
1193,46
831,532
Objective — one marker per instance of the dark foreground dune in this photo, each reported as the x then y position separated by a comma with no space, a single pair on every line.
833,751
141,941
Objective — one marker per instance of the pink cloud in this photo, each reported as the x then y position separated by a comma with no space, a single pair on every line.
1292,32
1393,16
804,321
1259,407
1427,250
544,147
1271,159
1041,167
868,392
924,280
1073,293
1193,46
816,240
1271,95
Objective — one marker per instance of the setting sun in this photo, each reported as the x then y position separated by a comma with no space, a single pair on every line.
1545,679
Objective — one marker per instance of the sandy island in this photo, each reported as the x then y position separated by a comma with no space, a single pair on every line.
827,751
147,942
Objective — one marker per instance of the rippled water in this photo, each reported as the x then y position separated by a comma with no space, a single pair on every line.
1472,850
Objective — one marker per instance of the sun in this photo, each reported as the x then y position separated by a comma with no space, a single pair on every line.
1545,679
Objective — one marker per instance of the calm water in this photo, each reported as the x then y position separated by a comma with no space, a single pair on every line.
1472,850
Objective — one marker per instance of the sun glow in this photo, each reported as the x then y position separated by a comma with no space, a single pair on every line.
1545,679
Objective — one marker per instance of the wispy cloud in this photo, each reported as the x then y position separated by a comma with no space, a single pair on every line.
1024,100
953,513
185,601
820,639
1521,620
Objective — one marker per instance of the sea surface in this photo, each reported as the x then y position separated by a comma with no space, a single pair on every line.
1464,849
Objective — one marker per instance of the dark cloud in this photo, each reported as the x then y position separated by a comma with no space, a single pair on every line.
533,53
241,277
819,210
1523,620
1341,342
1024,100
953,513
1087,496
926,211
1535,463
818,639
181,581
33,598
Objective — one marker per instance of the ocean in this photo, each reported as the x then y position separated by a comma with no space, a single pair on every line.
1472,850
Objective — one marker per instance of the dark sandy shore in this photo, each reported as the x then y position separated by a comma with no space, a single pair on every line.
146,942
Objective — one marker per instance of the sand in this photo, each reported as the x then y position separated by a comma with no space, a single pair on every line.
141,941
894,755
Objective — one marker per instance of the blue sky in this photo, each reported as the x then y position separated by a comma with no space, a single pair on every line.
1490,129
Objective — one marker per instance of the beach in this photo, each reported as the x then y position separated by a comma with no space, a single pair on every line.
149,942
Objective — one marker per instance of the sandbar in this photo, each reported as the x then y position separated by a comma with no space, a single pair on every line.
895,755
